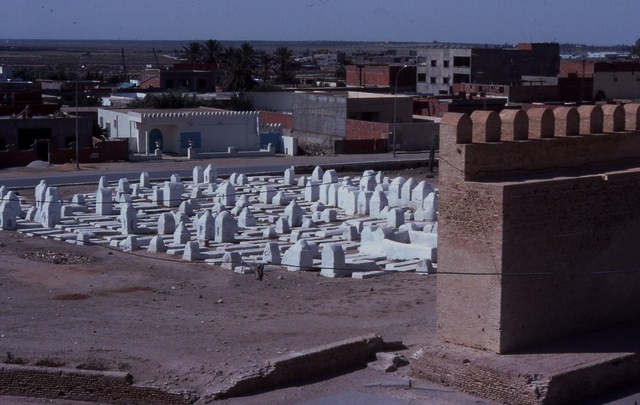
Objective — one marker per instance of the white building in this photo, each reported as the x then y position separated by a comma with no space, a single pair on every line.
326,59
6,74
205,129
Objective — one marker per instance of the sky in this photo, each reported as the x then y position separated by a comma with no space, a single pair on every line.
591,22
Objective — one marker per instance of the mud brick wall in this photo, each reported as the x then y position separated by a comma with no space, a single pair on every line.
82,385
524,223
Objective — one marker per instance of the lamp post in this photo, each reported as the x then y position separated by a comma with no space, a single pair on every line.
77,132
77,135
395,107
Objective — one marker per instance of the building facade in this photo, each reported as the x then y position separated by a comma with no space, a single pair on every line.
441,67
174,131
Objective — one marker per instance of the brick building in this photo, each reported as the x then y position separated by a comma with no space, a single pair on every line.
382,76
182,76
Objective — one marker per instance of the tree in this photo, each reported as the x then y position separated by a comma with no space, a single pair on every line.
193,52
248,54
635,49
241,102
283,56
212,51
170,99
265,61
238,70
341,72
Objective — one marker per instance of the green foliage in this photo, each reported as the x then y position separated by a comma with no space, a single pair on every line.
171,99
193,52
90,101
212,50
285,78
238,69
241,102
100,132
283,56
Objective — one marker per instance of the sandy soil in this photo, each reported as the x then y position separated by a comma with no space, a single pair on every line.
181,325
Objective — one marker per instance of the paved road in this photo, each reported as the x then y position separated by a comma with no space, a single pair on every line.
90,173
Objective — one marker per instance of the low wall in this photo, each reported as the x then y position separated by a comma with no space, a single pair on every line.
104,151
82,385
17,158
300,366
361,146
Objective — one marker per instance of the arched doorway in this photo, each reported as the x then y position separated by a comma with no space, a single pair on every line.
155,135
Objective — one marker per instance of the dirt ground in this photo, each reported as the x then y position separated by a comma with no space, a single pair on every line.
185,325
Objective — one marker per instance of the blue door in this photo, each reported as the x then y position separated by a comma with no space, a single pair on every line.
154,136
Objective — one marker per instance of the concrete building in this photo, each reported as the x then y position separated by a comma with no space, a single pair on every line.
441,67
6,74
601,80
206,129
351,122
45,132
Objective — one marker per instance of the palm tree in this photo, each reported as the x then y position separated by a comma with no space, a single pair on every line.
265,60
283,55
238,75
212,51
193,52
248,54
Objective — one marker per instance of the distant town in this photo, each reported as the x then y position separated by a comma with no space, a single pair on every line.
315,97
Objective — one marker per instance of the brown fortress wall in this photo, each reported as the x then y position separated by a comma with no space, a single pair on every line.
524,223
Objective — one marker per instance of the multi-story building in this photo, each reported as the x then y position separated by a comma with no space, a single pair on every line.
443,66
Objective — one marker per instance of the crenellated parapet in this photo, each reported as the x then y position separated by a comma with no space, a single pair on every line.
193,114
487,146
538,225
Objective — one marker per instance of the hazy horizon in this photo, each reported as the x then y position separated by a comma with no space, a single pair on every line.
587,22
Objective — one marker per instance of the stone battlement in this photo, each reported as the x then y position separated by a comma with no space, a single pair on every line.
490,146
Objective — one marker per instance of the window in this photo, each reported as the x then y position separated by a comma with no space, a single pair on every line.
192,139
445,80
434,63
460,78
422,77
445,63
432,80
461,61
501,89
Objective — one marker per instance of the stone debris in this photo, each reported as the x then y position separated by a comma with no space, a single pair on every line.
357,227
388,362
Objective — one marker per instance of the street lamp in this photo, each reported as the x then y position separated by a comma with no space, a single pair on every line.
77,132
77,137
395,107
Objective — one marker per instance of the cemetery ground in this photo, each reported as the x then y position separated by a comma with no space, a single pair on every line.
191,326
